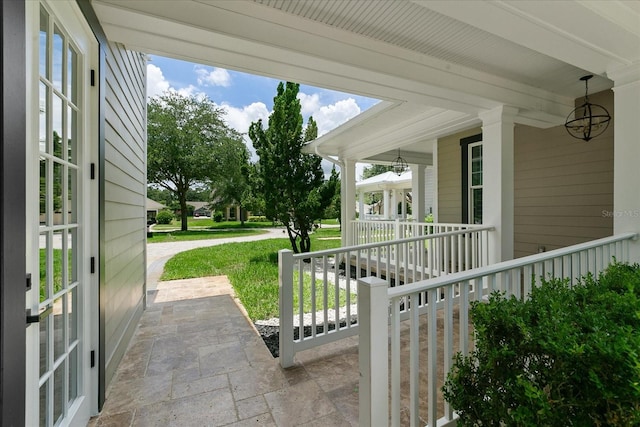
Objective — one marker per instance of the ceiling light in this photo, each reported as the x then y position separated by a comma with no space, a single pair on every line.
588,120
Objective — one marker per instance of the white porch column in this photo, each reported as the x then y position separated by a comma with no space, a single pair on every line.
403,204
348,196
394,204
418,192
497,180
361,206
626,173
435,181
385,197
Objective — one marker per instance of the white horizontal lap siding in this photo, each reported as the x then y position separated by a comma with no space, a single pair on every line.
125,191
563,186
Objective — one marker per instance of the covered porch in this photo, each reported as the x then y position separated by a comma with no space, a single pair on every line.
500,75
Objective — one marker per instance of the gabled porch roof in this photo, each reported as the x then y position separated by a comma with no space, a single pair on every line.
385,181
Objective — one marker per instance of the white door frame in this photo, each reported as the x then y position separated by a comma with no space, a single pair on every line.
76,27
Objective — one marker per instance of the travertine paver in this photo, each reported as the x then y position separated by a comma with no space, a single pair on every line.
196,360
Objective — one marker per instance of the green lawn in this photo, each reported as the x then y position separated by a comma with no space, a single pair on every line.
179,236
252,268
208,223
57,272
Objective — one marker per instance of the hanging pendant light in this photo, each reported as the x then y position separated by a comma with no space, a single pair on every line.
399,165
588,120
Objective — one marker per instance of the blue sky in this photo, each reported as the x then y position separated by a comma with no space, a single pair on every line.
247,98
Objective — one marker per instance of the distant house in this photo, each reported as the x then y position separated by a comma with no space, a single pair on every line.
200,209
153,208
232,213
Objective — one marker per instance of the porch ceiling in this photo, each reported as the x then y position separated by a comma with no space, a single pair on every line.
437,61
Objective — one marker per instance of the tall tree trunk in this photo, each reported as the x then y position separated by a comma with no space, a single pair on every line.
183,212
305,241
293,239
241,216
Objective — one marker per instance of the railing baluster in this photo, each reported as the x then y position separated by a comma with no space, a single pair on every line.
325,295
474,250
528,272
432,356
347,273
464,317
414,359
313,297
301,299
447,256
336,287
448,342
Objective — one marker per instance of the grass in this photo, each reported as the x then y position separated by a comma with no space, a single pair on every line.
252,268
208,223
179,236
57,272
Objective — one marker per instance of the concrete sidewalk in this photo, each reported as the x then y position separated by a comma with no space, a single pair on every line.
159,253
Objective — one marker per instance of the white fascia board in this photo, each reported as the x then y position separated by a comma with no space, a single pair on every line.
363,119
571,31
420,128
250,37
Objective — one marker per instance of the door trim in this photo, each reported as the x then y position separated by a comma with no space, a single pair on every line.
92,20
12,217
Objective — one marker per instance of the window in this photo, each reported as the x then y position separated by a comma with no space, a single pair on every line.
475,183
471,150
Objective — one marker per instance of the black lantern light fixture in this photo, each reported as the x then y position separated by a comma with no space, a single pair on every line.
399,165
588,120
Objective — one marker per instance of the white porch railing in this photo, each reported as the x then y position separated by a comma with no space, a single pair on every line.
445,333
371,231
329,281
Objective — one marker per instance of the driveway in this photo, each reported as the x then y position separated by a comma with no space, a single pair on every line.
159,253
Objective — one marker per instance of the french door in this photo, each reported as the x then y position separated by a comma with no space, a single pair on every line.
61,231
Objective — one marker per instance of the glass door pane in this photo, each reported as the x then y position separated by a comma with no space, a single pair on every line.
59,97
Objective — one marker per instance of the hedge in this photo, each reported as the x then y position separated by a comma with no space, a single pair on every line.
567,356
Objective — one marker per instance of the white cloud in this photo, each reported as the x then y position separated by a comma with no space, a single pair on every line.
241,118
156,83
190,90
309,103
213,77
331,116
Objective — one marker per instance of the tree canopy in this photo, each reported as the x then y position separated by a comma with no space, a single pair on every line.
291,181
186,138
233,186
374,170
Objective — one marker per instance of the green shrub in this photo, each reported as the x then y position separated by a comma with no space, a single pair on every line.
217,216
164,217
257,218
565,357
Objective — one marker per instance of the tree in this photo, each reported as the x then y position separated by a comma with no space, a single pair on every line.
291,181
374,170
232,187
334,208
185,136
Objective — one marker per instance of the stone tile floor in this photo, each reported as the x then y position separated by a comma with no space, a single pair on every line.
196,360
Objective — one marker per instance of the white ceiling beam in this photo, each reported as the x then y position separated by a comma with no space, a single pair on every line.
574,32
249,37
